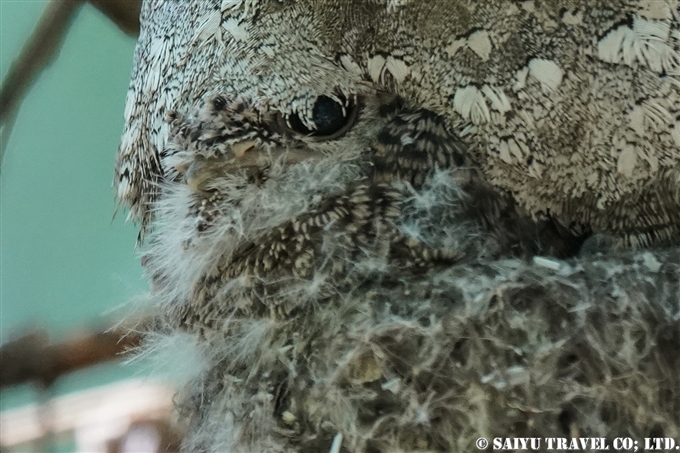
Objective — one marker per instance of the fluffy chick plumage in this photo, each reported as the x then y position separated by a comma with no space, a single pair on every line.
378,284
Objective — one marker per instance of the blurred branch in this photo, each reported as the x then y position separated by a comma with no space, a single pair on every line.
33,358
43,45
37,53
123,13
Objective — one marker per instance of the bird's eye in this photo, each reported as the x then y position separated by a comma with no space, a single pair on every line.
219,103
331,118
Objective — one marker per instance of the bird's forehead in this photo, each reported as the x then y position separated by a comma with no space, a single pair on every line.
289,67
286,53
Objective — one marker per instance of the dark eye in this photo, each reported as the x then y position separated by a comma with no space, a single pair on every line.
331,118
219,103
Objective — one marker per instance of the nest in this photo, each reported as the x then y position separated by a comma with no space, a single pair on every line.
403,363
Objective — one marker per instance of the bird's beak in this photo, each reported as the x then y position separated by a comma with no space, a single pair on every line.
240,149
204,169
244,155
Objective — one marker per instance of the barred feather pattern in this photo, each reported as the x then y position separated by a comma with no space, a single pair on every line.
417,277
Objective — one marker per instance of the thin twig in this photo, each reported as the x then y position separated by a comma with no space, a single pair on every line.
38,52
123,13
5,132
43,45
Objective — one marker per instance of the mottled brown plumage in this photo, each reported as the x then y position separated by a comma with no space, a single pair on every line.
347,205
572,107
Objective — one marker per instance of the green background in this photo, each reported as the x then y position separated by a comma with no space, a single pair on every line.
65,264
